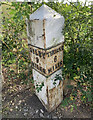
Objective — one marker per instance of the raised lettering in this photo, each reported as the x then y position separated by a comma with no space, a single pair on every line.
48,54
55,58
58,65
31,50
62,47
55,66
44,71
37,60
36,52
43,55
41,69
49,70
52,52
39,53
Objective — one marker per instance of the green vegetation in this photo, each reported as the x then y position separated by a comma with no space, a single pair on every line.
77,48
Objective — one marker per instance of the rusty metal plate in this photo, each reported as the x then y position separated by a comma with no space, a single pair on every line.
46,61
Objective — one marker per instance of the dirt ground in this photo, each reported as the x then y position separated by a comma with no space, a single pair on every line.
19,101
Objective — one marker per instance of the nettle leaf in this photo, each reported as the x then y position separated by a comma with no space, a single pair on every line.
57,77
39,86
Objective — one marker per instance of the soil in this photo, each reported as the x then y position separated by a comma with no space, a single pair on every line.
20,101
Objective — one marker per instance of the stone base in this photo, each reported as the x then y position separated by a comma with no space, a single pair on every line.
51,95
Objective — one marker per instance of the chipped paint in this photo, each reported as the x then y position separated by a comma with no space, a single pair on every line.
44,34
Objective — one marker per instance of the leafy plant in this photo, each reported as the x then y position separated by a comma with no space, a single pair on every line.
39,87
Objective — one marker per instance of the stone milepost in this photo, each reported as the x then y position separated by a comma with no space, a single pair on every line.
45,41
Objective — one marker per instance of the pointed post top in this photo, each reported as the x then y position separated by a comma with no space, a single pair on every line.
45,12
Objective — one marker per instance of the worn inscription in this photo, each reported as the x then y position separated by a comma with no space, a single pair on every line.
46,61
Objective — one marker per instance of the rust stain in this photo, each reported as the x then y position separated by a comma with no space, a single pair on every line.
44,34
60,83
55,95
52,90
52,97
47,94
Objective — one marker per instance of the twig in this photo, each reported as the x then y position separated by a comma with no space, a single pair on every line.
7,46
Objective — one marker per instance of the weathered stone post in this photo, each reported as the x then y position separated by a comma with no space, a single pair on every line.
45,40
